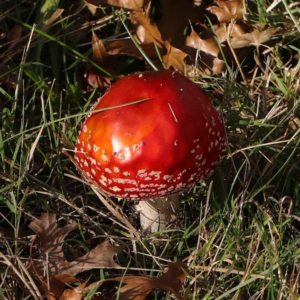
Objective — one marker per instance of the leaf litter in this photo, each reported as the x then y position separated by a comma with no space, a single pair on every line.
57,275
51,264
188,51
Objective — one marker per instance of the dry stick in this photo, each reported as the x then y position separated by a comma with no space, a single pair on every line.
34,291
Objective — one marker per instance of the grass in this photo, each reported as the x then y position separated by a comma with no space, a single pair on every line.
239,230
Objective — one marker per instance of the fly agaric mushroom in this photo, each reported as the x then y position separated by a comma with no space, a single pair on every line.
151,149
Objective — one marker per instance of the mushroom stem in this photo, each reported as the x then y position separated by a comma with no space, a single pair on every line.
156,214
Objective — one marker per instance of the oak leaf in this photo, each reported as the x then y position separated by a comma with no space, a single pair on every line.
101,77
56,285
51,240
148,35
175,18
137,288
51,258
228,10
75,294
126,4
100,257
208,45
205,52
254,38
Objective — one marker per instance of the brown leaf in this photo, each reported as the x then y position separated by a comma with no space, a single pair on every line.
100,257
51,236
228,10
175,58
137,288
102,58
98,78
208,45
206,60
128,47
149,32
99,51
57,285
254,38
75,294
52,257
175,18
232,30
126,4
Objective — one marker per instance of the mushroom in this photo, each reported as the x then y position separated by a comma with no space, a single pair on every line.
152,149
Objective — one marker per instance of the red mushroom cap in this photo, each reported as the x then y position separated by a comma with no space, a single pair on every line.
154,148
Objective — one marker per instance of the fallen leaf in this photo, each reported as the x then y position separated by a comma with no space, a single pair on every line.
51,261
129,48
175,58
151,42
100,257
204,53
176,17
57,284
51,238
126,4
228,10
208,45
147,32
99,77
254,38
99,50
75,294
137,288
232,30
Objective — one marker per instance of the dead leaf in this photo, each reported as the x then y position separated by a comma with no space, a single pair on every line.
175,58
99,50
57,284
254,38
149,37
100,257
129,48
51,236
233,30
175,18
208,45
204,53
137,288
52,262
98,78
228,10
126,4
75,294
149,32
